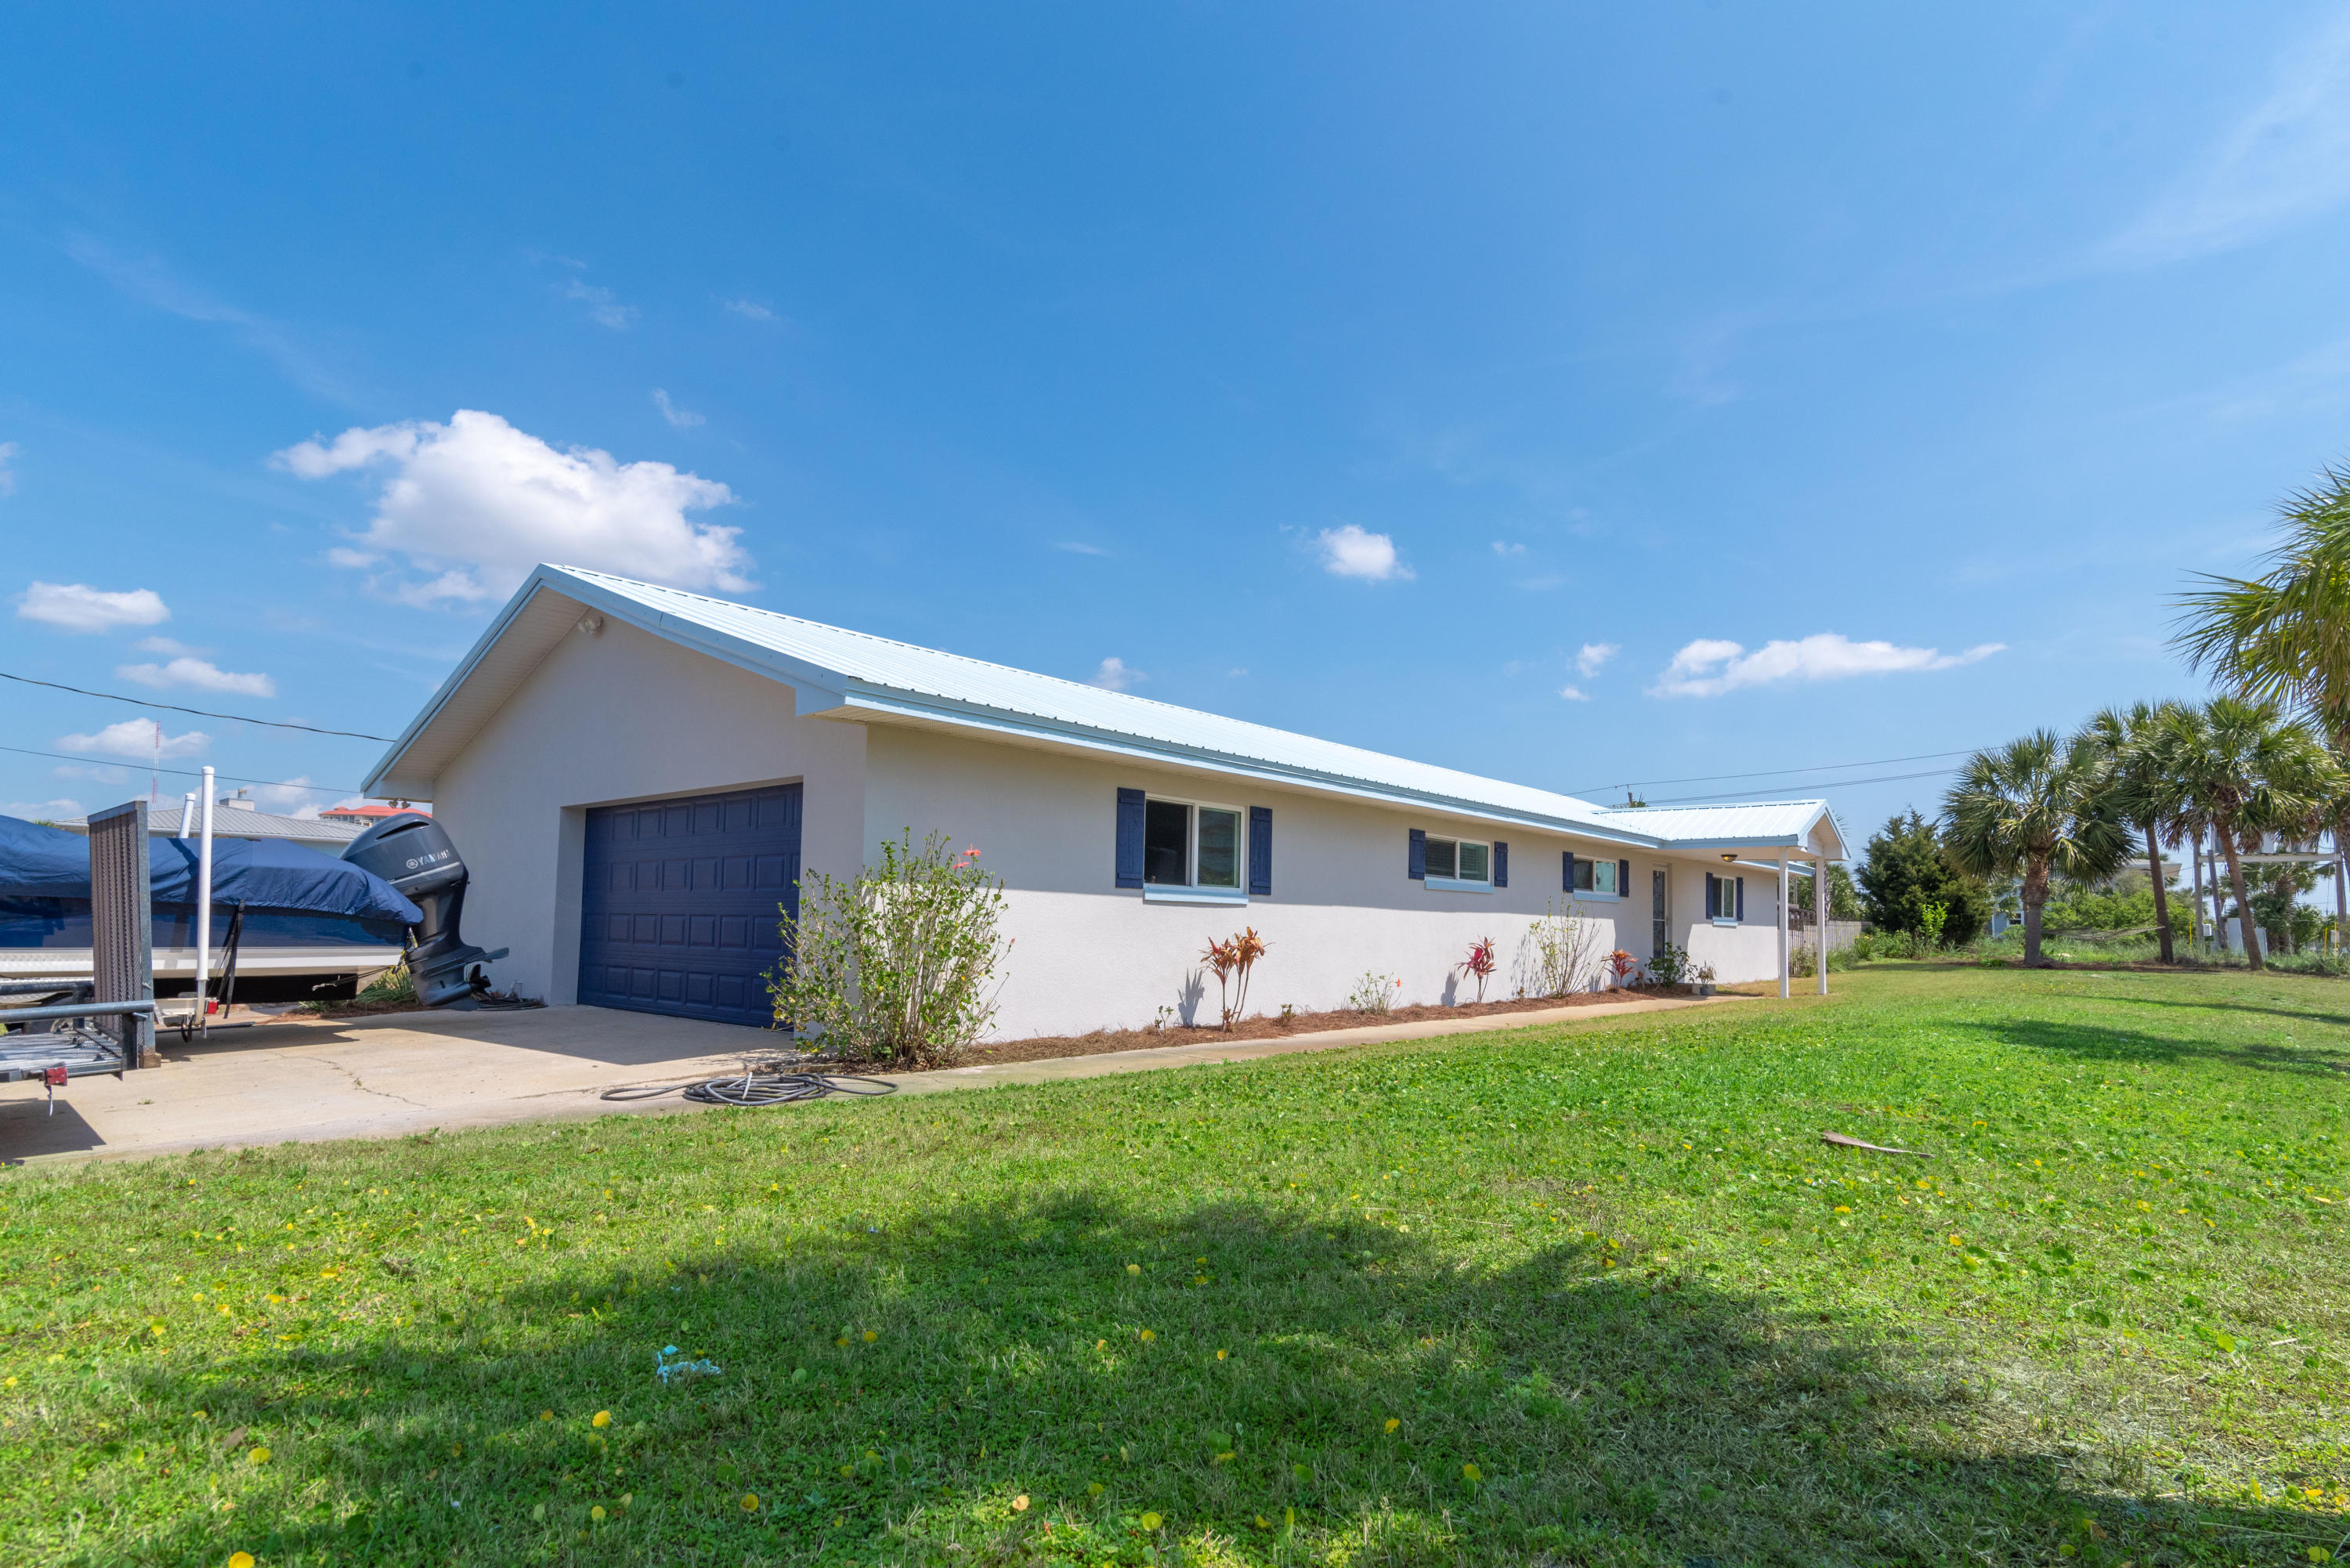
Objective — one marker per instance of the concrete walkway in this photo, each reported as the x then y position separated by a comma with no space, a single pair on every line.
405,1072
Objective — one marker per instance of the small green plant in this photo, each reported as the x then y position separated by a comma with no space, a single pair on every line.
1930,921
897,963
1375,992
1231,960
1670,965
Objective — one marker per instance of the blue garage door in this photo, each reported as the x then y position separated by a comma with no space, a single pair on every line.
684,900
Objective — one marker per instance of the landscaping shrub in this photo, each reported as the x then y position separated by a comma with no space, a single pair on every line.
898,964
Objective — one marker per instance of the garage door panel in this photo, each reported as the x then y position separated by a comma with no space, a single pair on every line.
685,901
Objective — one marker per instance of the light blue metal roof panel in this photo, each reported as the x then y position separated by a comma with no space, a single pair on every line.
862,659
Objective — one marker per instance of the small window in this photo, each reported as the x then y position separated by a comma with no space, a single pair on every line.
1460,861
1725,898
1186,846
1594,876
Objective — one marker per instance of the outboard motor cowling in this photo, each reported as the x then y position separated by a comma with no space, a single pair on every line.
414,854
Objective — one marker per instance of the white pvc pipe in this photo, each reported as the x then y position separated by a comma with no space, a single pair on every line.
205,904
187,815
1784,987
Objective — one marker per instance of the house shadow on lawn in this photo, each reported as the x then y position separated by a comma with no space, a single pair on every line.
1230,1364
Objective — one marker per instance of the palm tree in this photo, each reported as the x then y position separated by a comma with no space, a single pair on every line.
2246,770
2284,637
2032,806
2140,788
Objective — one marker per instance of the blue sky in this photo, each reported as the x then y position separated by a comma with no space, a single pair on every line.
1389,373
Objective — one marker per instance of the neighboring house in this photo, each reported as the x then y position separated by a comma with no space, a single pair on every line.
367,816
639,777
237,816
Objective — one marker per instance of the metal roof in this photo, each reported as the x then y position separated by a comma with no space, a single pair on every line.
230,822
1760,825
852,675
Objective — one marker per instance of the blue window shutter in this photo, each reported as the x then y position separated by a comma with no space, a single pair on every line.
1261,851
1623,879
1567,872
1712,897
1129,837
1741,897
1501,864
1415,864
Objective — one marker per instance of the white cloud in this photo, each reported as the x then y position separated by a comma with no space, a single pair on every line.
1503,547
147,280
1574,695
76,606
1594,655
355,560
95,772
1114,675
8,450
138,739
202,674
604,307
683,418
41,810
288,799
2285,160
752,309
1237,669
1352,552
161,645
476,503
1710,667
1075,548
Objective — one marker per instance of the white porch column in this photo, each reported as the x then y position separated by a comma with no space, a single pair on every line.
1782,928
1820,908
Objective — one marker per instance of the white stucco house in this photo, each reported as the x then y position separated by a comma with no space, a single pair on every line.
639,777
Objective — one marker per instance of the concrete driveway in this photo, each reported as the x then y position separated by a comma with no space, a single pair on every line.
411,1072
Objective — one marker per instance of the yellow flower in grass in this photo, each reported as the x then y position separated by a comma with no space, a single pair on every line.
1471,1474
1392,1424
1843,1208
750,1503
1151,1521
1093,1489
1020,1504
1134,1268
1220,1354
870,1335
596,1513
259,1456
600,1418
240,1560
1147,1336
546,1415
1262,1523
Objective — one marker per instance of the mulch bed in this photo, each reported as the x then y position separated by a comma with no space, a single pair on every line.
1047,1047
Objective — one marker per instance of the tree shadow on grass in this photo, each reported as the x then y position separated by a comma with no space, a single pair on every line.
2105,1043
1229,1367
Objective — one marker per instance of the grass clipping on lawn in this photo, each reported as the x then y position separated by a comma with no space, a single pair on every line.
1587,1295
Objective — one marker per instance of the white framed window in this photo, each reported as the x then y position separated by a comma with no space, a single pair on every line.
1459,865
1596,876
1194,851
1721,898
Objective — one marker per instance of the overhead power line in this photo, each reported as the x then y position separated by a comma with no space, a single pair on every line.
1774,772
199,712
190,772
1822,784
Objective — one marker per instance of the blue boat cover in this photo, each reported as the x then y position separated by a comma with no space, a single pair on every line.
37,862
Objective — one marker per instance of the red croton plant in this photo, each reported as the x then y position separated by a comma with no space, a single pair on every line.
1231,960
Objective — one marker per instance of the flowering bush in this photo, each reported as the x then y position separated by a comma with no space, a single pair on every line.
1481,963
898,964
1621,964
1231,960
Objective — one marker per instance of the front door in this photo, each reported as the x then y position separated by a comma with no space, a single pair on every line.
1660,912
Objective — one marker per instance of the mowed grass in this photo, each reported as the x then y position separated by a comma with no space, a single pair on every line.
1595,1294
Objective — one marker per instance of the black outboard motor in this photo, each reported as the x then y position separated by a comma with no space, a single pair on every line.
413,853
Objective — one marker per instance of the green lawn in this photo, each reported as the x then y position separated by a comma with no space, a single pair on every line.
1596,1294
